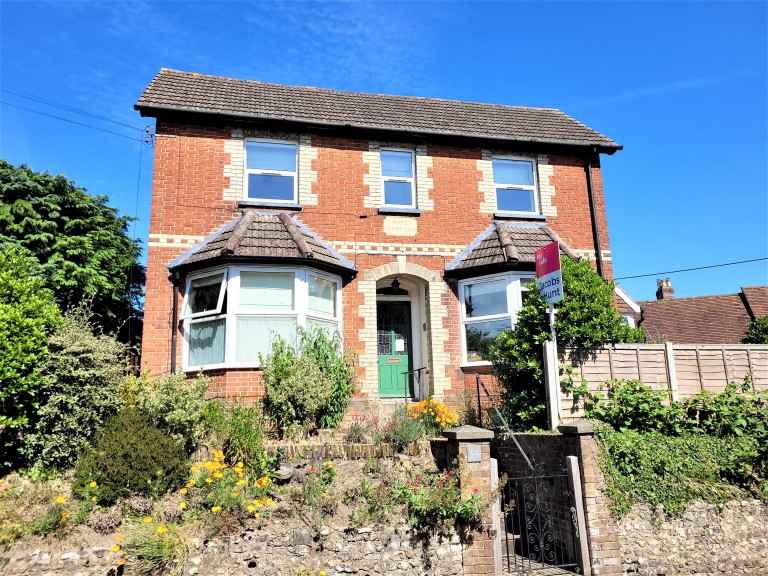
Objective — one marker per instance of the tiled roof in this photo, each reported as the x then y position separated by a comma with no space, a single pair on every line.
757,299
260,236
718,319
506,244
173,90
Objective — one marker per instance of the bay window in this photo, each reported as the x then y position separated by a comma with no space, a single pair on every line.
488,306
231,316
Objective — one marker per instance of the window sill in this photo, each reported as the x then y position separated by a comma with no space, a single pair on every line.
519,216
392,211
290,206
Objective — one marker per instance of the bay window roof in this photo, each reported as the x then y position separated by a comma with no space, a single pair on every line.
264,238
505,246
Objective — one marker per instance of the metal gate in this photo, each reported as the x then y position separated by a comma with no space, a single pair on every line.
540,528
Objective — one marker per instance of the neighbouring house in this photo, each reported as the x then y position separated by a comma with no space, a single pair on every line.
720,319
407,224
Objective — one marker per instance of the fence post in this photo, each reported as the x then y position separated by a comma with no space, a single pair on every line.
471,446
574,481
552,383
669,353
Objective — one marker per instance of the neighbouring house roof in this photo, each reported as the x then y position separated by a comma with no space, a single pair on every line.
504,246
257,237
176,91
720,319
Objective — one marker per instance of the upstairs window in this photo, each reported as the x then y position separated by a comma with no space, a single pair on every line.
397,178
515,184
270,171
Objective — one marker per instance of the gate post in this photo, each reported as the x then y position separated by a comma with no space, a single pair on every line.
471,448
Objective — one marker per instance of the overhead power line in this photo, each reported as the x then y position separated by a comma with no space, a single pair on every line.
48,102
691,269
71,121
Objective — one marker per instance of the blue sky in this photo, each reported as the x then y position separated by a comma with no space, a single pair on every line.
682,85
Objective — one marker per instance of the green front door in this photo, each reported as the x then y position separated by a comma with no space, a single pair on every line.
393,323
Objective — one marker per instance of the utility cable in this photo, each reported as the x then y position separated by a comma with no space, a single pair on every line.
691,269
71,121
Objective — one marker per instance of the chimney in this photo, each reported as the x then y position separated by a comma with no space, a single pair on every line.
664,290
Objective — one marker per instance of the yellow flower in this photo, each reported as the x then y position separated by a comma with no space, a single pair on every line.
191,483
208,480
216,509
258,503
147,519
218,475
183,491
121,562
119,538
64,516
182,504
269,502
329,465
162,529
235,493
239,482
324,495
251,507
239,465
93,484
115,548
322,573
194,468
60,499
256,515
93,499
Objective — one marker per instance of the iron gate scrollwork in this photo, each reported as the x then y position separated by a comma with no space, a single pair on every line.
538,524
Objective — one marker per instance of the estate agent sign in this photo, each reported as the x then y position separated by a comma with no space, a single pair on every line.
548,275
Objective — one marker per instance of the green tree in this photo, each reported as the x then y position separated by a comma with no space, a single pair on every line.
81,244
586,318
28,314
757,331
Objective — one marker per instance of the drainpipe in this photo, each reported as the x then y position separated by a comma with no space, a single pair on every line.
174,320
593,214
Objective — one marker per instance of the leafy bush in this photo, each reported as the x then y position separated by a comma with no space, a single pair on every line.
757,331
130,456
434,415
246,431
28,314
586,318
358,432
434,500
81,377
401,430
298,389
155,549
175,405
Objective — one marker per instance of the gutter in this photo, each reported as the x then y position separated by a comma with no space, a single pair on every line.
593,215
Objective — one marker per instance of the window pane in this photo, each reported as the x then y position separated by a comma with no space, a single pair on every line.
398,164
330,328
206,342
511,200
254,336
513,172
322,295
271,187
204,294
485,298
398,193
526,286
266,291
480,336
271,156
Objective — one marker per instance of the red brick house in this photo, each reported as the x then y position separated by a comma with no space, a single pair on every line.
407,224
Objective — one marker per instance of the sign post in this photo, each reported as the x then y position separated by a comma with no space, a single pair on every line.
549,279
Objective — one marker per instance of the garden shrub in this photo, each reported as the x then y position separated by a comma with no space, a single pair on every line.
28,314
246,430
401,430
175,405
81,376
757,331
154,550
434,415
297,387
130,456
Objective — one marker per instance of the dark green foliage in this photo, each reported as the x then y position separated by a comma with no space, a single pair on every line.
401,430
246,431
82,246
79,390
28,314
757,331
586,318
130,456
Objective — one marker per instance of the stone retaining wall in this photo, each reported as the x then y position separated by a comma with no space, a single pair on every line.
703,541
391,551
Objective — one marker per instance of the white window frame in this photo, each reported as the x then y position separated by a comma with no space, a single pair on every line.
222,291
513,294
411,180
300,310
247,171
534,189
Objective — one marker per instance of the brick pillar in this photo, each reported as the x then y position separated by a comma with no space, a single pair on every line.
604,548
471,447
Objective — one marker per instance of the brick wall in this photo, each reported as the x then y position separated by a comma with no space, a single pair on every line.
198,171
